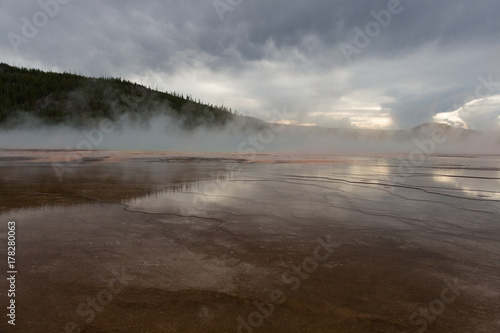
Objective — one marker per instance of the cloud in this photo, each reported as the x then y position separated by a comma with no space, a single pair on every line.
267,54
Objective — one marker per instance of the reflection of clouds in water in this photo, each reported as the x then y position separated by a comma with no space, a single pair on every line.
352,194
290,190
475,176
481,188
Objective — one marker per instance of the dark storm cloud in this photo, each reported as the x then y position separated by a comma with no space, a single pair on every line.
266,54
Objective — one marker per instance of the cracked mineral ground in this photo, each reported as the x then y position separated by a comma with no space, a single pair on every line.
182,242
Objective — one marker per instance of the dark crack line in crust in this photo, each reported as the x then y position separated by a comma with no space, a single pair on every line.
126,209
220,226
407,220
384,184
443,203
400,196
415,175
400,218
468,177
389,185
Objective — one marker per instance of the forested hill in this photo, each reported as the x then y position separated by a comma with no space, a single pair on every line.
56,98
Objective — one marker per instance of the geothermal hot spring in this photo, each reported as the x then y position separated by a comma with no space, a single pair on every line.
185,242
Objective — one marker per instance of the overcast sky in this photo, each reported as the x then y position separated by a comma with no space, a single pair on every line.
337,63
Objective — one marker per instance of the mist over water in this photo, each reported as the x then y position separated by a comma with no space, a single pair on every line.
161,132
155,133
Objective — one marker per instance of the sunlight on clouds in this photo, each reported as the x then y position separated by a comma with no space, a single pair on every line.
358,119
294,122
374,122
475,114
450,118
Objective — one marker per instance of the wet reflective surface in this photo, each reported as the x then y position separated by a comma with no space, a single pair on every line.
127,243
